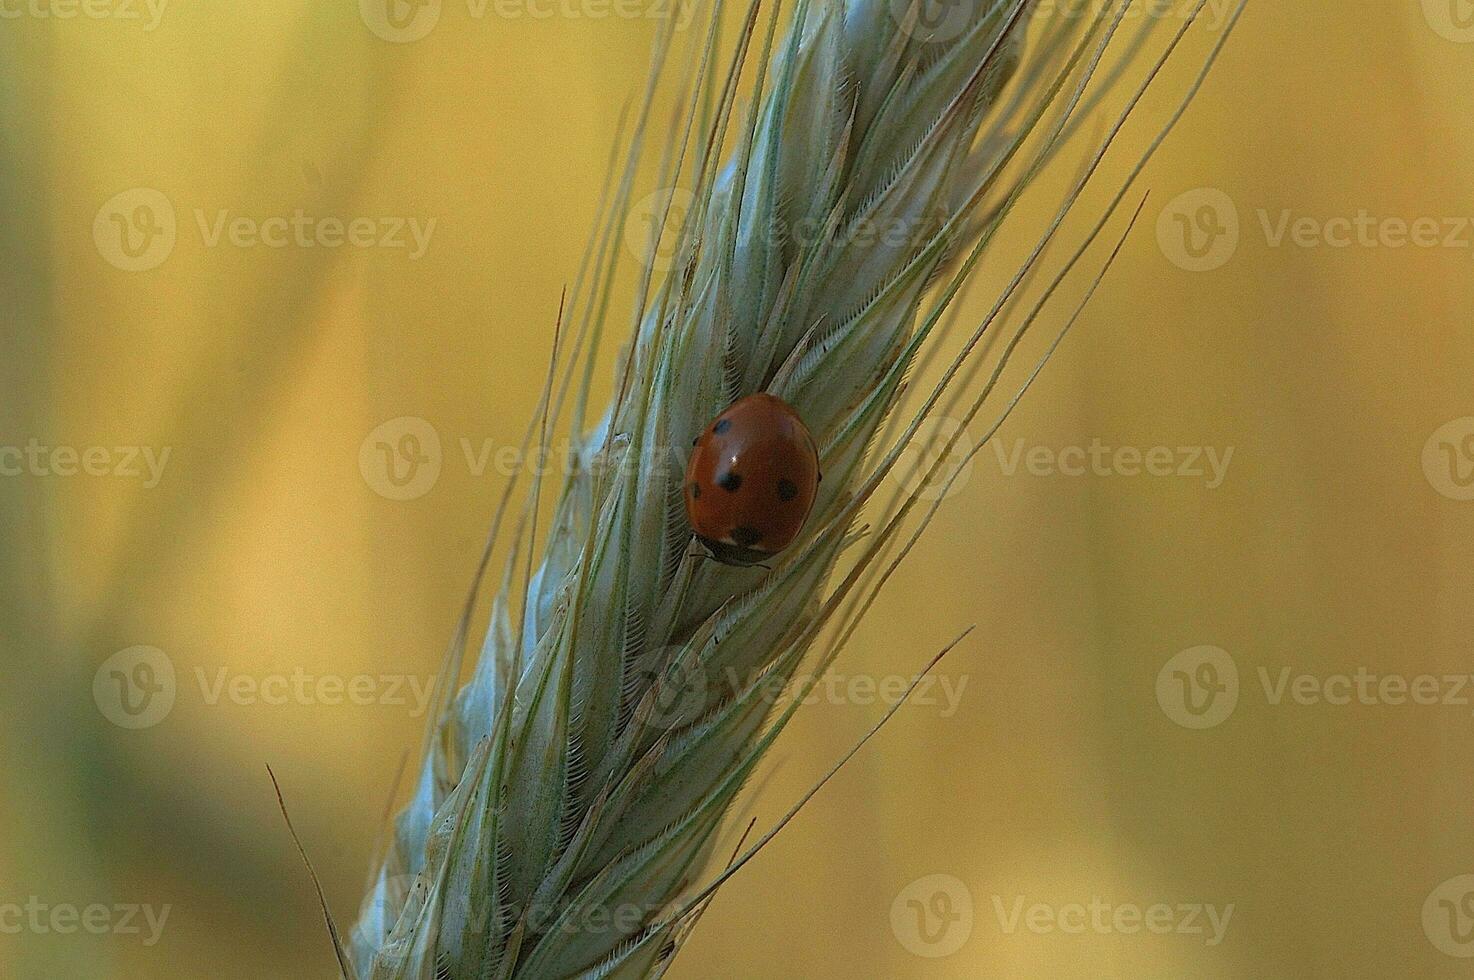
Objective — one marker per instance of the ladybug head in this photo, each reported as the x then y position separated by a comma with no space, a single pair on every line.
733,554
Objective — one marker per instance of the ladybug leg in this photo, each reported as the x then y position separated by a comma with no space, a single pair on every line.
700,552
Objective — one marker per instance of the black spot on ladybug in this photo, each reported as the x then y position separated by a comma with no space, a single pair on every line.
746,536
730,482
695,490
722,426
787,490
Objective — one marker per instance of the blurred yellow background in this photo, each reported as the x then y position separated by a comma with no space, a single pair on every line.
1337,540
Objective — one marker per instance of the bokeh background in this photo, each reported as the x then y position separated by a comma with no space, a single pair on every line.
1338,539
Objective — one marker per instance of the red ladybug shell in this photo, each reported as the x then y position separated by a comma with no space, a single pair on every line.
751,481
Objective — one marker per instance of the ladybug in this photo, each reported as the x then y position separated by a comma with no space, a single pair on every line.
752,480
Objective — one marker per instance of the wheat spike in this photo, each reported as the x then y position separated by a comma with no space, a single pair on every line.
571,793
